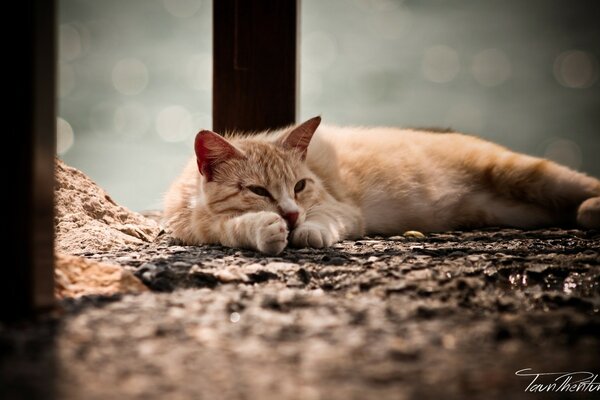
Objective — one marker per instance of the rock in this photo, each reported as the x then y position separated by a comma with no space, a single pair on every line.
337,261
87,220
77,276
231,274
413,235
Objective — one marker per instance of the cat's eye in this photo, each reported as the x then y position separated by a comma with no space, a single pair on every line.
300,186
259,190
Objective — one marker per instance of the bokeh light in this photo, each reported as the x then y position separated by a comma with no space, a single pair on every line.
440,64
182,8
234,317
69,41
576,69
174,123
64,136
130,76
491,67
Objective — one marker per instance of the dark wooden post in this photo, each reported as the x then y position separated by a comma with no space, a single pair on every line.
27,283
254,64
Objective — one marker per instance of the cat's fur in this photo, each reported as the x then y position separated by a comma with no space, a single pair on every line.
365,181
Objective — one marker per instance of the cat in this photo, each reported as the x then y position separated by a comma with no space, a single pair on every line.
312,186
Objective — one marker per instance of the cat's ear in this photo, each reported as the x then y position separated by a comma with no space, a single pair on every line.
299,137
211,150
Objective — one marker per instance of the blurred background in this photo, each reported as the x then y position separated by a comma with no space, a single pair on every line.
135,78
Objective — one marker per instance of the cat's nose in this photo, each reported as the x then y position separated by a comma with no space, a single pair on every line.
291,218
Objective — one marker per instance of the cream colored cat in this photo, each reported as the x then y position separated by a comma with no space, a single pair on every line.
313,187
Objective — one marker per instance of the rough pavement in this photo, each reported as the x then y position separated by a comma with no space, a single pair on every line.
450,316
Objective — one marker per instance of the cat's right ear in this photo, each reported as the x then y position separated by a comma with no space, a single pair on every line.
211,150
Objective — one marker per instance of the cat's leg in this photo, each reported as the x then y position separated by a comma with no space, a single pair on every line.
328,223
263,231
588,214
546,192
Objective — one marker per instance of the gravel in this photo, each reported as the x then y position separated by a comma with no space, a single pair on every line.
451,315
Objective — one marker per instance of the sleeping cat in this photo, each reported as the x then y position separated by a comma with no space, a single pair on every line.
312,186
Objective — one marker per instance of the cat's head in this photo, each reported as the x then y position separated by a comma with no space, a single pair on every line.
266,173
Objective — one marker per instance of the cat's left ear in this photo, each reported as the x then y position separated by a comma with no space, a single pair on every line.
299,137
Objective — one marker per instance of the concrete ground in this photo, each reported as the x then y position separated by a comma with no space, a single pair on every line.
450,316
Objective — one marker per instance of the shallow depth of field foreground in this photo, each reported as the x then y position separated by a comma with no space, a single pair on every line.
452,315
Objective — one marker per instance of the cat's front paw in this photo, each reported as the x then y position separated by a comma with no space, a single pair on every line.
311,234
271,233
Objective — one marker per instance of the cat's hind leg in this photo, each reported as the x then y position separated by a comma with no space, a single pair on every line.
566,196
588,214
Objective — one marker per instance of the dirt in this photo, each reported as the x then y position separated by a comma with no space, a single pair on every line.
450,316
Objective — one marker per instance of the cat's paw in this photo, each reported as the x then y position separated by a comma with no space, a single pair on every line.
311,234
588,215
271,233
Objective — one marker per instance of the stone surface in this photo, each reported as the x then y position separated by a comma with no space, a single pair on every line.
451,316
87,220
77,276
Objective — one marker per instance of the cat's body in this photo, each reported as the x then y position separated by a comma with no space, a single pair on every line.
361,181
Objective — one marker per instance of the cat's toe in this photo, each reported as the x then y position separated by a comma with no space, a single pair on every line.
311,235
272,235
588,215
